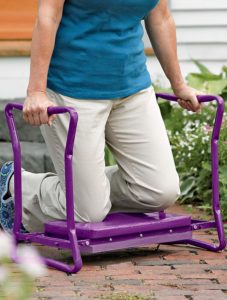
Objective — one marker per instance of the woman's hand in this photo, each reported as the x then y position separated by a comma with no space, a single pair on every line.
35,109
187,97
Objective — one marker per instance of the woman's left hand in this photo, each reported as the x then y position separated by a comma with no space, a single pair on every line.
187,97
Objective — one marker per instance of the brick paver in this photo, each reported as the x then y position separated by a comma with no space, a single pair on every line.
173,272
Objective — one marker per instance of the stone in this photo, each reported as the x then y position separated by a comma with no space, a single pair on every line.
34,156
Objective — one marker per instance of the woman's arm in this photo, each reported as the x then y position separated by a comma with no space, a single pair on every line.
161,30
44,33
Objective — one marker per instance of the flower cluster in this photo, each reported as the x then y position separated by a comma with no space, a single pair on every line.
16,281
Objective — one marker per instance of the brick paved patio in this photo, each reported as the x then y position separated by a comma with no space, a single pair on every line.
172,272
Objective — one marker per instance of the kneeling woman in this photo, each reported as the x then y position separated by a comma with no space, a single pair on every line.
89,55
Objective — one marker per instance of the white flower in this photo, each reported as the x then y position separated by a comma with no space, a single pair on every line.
6,245
197,123
184,112
205,139
190,112
30,262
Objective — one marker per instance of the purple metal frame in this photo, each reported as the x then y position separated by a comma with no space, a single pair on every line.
215,176
152,228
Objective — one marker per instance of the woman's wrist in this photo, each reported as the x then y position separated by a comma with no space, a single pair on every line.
31,92
176,78
36,85
176,86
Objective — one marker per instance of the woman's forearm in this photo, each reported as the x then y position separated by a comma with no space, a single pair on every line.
161,30
43,40
41,51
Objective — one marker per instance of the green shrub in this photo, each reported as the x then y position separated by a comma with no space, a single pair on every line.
190,137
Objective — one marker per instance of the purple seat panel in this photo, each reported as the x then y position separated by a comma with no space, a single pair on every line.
119,224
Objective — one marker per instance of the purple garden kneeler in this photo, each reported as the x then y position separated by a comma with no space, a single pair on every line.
118,230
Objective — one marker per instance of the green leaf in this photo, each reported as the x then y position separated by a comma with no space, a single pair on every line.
206,207
195,81
216,86
224,69
223,170
109,158
187,185
159,89
187,198
206,165
207,76
202,68
165,108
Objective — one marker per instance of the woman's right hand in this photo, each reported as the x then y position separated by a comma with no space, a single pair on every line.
35,109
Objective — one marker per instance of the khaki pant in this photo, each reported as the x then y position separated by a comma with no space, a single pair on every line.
144,179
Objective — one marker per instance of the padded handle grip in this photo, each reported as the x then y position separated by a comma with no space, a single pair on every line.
201,98
52,110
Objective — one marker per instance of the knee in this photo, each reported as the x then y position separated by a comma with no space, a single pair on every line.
162,196
93,214
168,195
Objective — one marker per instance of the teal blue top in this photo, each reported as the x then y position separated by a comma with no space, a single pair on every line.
99,52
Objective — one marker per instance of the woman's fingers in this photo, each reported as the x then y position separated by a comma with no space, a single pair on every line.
51,119
31,120
184,104
25,117
36,118
44,116
35,109
192,104
187,97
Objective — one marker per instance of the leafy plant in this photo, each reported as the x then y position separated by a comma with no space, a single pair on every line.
209,82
